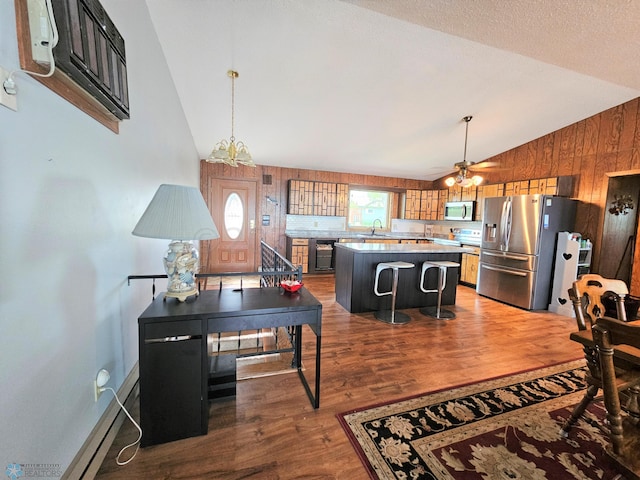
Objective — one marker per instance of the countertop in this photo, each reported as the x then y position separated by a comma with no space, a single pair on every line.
336,235
402,248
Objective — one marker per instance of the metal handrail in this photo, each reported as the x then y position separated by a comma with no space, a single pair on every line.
274,269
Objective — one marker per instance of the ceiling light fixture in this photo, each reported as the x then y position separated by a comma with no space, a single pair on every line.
462,179
230,152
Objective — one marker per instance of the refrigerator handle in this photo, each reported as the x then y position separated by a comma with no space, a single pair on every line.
506,225
502,270
521,258
503,224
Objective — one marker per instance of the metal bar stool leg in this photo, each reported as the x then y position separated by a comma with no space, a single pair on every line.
391,316
437,311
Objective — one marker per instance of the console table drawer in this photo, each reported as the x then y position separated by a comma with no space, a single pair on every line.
253,322
159,330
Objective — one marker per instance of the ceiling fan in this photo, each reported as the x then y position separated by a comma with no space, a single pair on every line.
465,177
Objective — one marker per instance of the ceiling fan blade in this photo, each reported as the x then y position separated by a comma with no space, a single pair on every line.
483,165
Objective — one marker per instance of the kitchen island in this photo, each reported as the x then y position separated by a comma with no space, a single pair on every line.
355,268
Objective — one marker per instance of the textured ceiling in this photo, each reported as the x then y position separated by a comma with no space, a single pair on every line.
380,87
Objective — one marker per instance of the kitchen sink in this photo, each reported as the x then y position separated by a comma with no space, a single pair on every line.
372,235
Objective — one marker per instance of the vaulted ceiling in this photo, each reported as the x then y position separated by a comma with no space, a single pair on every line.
380,87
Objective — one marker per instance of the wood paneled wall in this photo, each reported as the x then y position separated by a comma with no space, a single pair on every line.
279,177
591,151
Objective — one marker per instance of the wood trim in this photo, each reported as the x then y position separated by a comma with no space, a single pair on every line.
87,461
58,82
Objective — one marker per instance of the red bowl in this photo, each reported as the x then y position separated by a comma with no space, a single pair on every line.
291,287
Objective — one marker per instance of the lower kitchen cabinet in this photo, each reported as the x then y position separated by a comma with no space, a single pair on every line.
469,267
298,252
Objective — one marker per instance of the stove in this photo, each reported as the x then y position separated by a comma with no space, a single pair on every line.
467,236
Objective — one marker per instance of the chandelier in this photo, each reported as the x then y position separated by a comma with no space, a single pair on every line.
231,152
462,178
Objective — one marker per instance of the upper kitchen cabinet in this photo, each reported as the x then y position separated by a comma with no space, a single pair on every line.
425,204
300,197
318,198
412,205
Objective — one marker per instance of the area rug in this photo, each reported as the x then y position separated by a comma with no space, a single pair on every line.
505,428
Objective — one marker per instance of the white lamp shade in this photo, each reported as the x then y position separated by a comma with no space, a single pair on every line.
177,212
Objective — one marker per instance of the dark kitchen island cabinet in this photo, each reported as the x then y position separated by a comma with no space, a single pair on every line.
356,269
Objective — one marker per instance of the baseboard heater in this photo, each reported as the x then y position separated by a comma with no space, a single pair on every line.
87,461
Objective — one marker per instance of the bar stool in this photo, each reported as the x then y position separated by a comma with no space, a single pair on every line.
442,267
391,316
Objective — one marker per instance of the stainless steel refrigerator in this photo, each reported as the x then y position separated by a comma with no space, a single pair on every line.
518,246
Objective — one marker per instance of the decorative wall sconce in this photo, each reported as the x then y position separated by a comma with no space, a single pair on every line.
621,205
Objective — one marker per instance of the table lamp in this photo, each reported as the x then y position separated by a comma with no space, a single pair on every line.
178,213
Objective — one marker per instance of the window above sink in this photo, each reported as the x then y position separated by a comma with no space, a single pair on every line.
369,210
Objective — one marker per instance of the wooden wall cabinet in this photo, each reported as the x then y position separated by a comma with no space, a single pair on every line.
425,204
300,197
412,205
318,198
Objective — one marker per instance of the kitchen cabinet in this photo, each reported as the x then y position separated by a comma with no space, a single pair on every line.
469,266
382,240
342,199
298,252
560,186
425,204
412,205
318,198
300,197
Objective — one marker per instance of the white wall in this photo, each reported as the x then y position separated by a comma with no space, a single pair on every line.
71,191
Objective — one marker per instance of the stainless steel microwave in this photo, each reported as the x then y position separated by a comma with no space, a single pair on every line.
459,210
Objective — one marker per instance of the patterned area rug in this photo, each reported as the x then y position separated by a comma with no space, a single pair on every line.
506,428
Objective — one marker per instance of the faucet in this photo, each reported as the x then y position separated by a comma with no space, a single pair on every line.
373,227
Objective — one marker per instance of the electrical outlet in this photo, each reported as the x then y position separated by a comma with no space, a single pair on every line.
9,101
101,380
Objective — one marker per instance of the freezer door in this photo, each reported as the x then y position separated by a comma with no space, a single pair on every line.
508,285
525,224
517,261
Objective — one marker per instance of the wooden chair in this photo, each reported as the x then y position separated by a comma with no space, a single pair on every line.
618,345
586,295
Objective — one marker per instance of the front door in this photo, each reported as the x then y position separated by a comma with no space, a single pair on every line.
232,204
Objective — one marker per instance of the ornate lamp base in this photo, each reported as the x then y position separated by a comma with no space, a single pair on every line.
181,265
182,296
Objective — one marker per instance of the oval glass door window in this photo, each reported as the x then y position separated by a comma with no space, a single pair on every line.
233,215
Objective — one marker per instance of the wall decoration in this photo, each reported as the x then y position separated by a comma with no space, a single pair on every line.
621,205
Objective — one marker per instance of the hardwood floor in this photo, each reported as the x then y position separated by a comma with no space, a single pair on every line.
270,430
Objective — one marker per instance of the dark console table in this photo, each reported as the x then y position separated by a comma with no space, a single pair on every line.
175,368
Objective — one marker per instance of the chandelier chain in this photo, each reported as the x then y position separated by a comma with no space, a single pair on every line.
233,76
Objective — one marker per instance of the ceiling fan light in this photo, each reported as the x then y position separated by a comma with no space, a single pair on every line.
476,179
450,182
463,181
